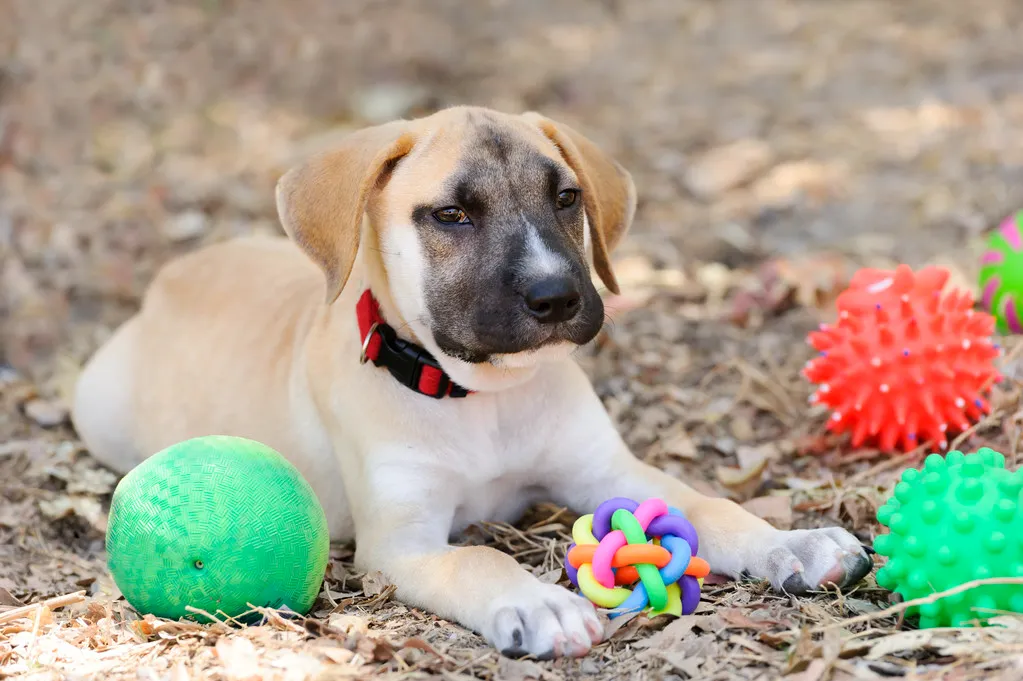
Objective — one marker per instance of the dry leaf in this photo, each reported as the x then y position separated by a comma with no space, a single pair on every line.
518,670
726,167
683,661
180,672
678,444
374,584
239,657
337,655
146,626
736,477
336,571
814,180
635,299
420,644
811,281
550,576
803,651
859,606
816,279
742,429
1007,621
903,640
617,626
46,413
91,480
7,600
676,631
814,672
349,625
716,280
775,509
634,271
382,650
85,507
298,665
800,484
755,457
736,619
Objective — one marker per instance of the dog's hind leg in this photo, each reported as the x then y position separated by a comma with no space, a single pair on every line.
102,409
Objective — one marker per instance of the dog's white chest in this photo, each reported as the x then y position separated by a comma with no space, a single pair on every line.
497,470
501,501
485,457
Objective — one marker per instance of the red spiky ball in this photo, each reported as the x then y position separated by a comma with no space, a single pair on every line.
904,365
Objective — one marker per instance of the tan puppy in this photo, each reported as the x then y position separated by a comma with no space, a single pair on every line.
475,231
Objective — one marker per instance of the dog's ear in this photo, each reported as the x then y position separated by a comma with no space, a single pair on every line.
321,202
609,194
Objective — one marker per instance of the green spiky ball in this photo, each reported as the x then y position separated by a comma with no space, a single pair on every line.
956,520
216,523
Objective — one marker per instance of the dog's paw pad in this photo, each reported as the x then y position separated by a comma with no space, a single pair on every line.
546,622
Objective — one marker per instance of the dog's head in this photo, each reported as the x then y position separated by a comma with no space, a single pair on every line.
486,225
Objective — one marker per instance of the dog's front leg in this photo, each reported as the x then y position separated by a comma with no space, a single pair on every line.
598,465
403,523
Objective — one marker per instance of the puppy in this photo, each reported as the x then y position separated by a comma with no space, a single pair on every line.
408,349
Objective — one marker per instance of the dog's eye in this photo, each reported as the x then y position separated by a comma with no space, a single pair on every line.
452,215
567,198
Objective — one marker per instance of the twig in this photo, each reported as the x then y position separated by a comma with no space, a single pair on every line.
983,423
273,616
901,607
547,521
886,464
472,662
51,603
199,611
35,633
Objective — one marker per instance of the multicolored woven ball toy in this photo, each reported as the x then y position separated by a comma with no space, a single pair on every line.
1001,275
629,557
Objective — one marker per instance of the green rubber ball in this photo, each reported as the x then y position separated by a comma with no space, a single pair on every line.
958,519
216,523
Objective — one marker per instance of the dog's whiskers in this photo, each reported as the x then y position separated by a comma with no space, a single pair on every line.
377,249
408,324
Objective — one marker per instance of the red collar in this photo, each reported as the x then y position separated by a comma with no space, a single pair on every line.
412,365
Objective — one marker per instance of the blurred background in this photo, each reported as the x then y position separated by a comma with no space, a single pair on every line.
131,130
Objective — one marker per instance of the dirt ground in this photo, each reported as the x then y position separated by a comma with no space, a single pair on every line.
776,145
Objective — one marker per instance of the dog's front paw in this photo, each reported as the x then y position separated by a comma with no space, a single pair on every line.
799,561
545,621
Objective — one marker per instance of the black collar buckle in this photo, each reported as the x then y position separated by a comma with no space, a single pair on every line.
406,361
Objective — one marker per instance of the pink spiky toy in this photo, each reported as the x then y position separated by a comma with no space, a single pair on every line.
903,365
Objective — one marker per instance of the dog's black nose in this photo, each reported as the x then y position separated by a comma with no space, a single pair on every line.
553,300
